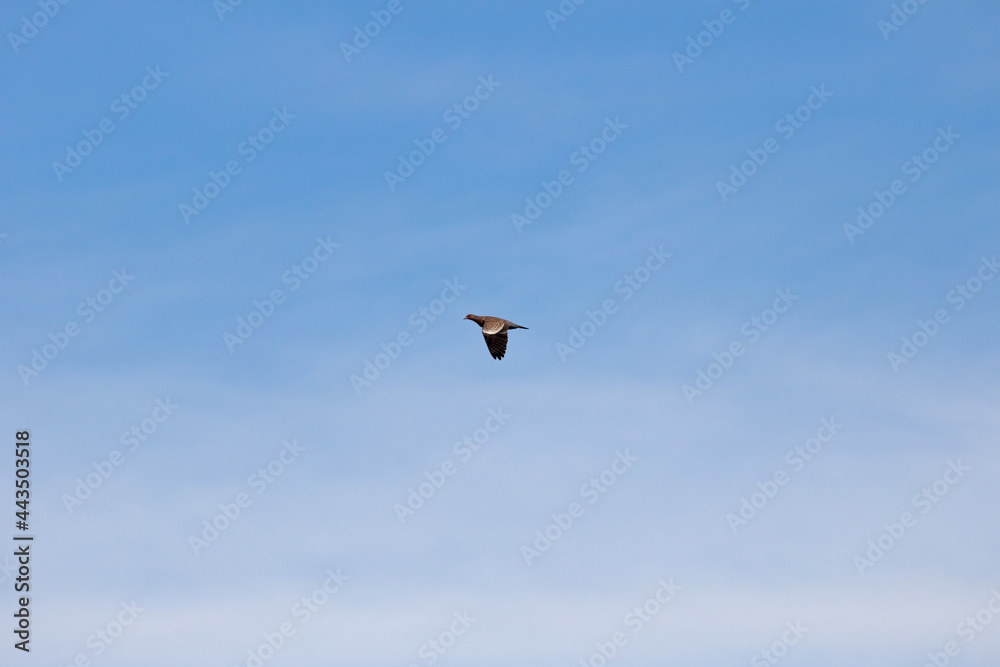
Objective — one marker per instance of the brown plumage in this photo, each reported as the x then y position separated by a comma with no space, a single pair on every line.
495,332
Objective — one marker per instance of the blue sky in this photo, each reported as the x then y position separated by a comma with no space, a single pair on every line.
205,91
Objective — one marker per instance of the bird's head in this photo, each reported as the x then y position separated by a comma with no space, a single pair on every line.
474,318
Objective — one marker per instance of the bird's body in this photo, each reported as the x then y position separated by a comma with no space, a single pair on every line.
495,332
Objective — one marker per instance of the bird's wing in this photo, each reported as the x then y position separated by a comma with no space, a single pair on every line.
494,325
497,343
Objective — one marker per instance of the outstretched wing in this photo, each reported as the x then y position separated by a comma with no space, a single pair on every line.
494,325
497,343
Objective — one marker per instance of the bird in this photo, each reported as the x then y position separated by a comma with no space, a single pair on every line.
495,332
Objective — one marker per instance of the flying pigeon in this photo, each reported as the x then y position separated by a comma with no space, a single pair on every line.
495,332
